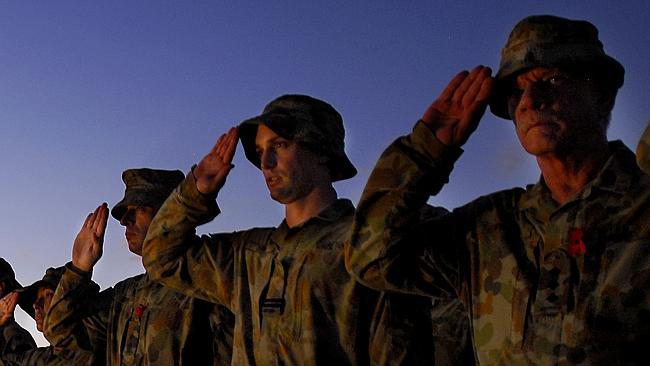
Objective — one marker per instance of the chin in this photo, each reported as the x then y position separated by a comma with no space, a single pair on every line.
135,249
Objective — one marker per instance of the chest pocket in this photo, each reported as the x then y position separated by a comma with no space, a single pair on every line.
151,328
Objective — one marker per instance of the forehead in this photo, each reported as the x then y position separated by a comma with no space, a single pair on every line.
139,208
44,291
265,135
537,73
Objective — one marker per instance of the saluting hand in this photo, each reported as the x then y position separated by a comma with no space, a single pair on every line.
89,243
213,169
7,307
456,113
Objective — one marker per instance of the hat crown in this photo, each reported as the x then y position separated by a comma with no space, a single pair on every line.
53,276
311,114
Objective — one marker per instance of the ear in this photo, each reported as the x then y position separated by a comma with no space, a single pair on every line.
2,288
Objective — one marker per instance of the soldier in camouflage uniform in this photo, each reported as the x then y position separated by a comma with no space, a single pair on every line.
138,321
643,151
554,274
39,296
13,338
294,301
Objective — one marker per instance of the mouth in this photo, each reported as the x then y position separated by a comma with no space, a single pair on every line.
272,180
540,125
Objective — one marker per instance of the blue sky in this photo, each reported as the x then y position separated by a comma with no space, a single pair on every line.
90,88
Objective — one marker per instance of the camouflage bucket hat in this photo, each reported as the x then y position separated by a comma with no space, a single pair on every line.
50,280
305,119
550,41
146,187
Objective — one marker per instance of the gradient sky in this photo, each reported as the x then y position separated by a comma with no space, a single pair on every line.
90,88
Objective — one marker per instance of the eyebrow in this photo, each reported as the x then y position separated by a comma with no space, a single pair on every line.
271,141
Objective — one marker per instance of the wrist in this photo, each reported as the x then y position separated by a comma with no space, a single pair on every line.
80,268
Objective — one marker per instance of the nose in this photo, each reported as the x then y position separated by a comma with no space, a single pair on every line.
128,217
267,159
533,97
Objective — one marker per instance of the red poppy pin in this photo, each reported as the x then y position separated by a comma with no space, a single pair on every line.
576,244
139,310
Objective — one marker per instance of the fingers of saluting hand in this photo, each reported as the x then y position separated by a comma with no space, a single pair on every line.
101,217
475,81
463,89
449,91
226,145
9,302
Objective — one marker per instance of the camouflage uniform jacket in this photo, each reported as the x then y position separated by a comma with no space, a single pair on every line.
295,303
139,322
14,339
544,284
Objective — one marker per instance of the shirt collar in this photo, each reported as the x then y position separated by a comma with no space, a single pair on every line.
335,211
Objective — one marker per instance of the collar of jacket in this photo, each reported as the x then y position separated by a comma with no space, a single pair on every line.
616,176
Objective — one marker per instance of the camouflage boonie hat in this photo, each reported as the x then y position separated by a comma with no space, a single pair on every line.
146,187
550,41
305,119
50,280
643,151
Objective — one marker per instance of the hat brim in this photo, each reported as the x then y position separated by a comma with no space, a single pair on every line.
137,198
27,296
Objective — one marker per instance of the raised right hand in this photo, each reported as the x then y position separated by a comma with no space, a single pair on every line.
89,243
456,113
211,172
7,307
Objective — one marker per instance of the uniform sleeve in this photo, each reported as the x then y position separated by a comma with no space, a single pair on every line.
201,267
76,322
14,339
393,245
44,356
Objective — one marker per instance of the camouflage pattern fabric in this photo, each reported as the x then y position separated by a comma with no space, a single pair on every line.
544,285
643,151
14,339
45,356
139,322
295,303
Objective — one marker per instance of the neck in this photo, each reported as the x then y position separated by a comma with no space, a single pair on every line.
568,174
309,206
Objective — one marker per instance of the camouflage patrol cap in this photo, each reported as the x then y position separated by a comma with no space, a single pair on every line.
146,187
50,280
307,120
550,41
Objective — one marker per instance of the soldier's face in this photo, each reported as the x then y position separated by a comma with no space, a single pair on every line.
291,171
136,220
554,111
42,305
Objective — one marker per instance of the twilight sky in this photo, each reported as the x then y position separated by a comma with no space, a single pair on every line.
90,88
